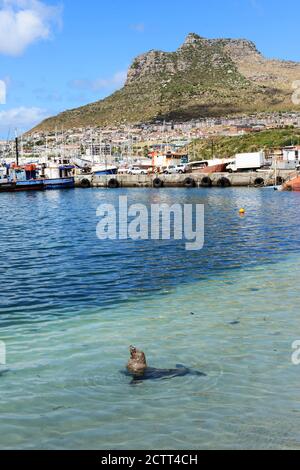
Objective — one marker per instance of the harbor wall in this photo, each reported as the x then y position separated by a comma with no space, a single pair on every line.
245,179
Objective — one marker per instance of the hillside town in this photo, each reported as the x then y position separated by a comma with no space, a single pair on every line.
82,157
127,145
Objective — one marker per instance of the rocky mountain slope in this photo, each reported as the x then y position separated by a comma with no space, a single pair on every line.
204,77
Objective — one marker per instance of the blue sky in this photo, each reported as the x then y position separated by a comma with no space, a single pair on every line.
56,55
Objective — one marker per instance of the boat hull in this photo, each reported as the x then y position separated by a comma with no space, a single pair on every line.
37,185
292,185
18,186
220,168
59,183
105,172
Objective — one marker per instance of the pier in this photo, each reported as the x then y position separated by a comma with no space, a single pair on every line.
187,180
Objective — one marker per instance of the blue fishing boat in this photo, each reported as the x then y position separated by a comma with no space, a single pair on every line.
27,178
36,185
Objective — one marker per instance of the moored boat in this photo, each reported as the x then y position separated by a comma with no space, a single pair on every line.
292,185
208,166
36,177
102,170
25,178
36,185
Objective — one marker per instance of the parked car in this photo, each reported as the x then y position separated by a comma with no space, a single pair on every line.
135,170
123,171
173,169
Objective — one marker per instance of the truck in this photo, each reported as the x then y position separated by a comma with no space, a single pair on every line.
247,162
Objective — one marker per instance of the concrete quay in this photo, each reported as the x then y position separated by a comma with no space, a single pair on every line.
190,180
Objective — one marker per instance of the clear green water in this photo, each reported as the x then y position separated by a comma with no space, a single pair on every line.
64,388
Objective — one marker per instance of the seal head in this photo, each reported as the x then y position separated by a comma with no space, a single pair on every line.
137,363
138,369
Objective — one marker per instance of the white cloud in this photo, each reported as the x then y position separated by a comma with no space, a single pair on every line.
21,118
23,22
140,27
116,81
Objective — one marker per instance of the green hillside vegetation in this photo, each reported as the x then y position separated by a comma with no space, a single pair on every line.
229,146
202,78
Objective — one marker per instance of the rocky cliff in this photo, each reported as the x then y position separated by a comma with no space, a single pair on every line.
204,77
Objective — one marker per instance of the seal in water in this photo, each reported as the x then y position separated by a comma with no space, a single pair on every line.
138,369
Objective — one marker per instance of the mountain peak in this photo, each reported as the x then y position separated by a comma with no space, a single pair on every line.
192,38
203,77
236,48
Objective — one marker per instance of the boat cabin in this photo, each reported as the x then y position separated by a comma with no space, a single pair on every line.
22,173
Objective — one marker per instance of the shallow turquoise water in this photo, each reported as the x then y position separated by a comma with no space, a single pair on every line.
71,306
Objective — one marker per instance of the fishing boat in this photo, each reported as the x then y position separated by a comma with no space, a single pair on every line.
25,178
7,185
20,178
102,170
58,176
30,177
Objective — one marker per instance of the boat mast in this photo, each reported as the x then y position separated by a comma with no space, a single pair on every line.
276,170
22,147
17,150
56,141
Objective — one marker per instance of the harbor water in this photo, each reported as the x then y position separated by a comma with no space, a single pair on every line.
71,305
